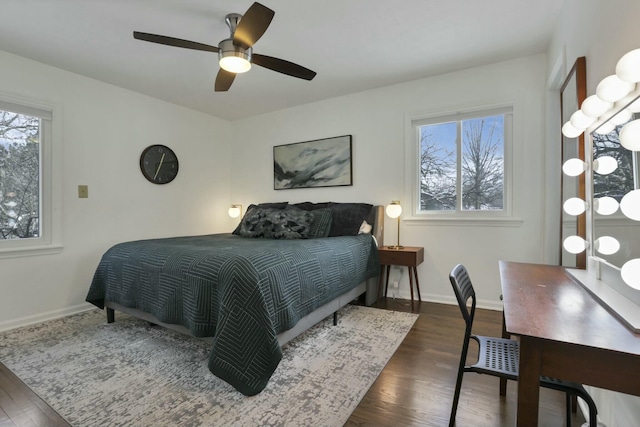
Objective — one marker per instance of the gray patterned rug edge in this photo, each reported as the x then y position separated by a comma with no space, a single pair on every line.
130,373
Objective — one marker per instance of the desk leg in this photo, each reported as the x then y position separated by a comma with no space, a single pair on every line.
503,381
529,383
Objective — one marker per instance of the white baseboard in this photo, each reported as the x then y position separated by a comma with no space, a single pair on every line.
43,317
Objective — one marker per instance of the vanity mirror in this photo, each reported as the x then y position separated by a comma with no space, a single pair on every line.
610,121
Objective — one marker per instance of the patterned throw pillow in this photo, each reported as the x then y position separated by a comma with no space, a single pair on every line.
288,223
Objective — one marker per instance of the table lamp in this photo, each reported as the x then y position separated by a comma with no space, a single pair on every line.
394,210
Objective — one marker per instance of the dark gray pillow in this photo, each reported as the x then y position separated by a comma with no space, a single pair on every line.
290,223
321,224
275,205
346,218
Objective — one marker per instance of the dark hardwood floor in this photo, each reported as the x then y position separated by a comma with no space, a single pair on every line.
414,389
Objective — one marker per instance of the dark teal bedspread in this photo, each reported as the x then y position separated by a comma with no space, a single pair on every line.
240,291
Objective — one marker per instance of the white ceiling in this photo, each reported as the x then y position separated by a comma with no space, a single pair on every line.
353,45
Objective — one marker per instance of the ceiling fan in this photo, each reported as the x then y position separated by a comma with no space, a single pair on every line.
235,54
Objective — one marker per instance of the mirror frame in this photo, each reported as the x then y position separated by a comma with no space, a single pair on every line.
578,76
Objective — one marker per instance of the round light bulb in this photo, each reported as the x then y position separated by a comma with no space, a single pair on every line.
580,120
574,206
607,245
634,107
234,211
605,205
571,131
630,135
393,210
574,167
612,89
605,128
595,107
628,67
630,205
605,165
622,117
574,244
630,273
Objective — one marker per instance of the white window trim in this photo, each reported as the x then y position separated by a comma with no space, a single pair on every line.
50,241
411,216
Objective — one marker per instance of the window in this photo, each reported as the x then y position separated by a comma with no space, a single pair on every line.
26,179
463,165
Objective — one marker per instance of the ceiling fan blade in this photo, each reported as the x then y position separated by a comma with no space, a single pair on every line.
172,41
224,80
282,66
252,25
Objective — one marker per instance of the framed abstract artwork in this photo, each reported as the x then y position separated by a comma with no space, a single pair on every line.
319,163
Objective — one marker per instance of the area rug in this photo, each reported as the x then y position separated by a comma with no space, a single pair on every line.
130,373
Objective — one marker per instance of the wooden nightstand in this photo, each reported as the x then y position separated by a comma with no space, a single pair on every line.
410,256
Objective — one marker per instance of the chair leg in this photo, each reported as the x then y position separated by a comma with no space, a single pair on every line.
568,399
456,397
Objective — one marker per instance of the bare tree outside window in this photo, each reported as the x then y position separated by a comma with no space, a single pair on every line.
475,181
19,176
483,163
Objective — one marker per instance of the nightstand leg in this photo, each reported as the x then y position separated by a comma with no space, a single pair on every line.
415,274
411,282
386,287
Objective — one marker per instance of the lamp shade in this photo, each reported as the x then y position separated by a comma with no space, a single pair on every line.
232,58
628,67
621,117
630,135
235,211
393,210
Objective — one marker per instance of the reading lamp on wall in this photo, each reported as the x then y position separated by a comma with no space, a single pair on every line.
235,211
394,210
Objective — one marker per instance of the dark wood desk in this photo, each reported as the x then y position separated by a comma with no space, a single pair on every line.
564,333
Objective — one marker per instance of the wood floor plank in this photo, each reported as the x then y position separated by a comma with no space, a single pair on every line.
416,387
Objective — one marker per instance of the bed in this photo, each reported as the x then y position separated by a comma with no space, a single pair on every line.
285,268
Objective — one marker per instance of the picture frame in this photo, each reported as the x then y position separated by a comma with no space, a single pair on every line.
323,162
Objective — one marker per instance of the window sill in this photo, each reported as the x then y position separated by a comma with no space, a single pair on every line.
469,222
30,251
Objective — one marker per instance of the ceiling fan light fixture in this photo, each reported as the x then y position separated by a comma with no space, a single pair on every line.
234,58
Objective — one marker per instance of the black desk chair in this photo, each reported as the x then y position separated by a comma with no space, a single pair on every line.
499,356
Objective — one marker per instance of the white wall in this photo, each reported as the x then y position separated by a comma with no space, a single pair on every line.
104,130
602,31
376,119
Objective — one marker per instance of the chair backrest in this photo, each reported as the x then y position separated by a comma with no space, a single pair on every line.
462,287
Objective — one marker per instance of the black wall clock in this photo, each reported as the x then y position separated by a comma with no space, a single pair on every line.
159,164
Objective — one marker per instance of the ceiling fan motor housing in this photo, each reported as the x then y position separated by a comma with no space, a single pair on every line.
230,53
